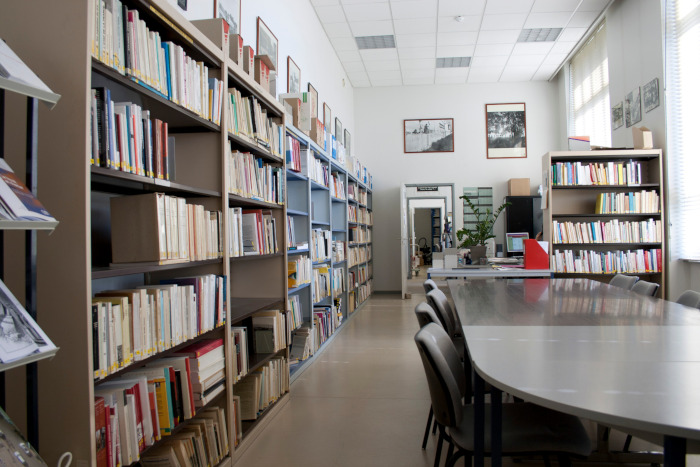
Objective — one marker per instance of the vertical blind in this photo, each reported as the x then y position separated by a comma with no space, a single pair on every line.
682,51
589,96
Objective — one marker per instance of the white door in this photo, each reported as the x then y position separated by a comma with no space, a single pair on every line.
404,240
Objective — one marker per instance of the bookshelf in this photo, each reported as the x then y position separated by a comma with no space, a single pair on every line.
435,229
76,261
588,240
360,271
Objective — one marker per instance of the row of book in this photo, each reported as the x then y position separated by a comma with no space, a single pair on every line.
302,345
359,235
363,292
292,243
298,271
358,276
247,118
359,215
124,137
269,331
326,320
597,173
321,283
639,202
337,186
130,325
155,227
610,262
124,42
316,169
613,231
293,154
321,245
338,281
295,314
360,172
359,255
253,232
338,251
355,193
251,177
207,364
262,387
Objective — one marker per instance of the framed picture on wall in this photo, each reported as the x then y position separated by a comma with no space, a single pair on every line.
618,116
267,42
313,102
428,135
506,131
633,108
347,143
293,76
651,95
338,131
327,118
230,11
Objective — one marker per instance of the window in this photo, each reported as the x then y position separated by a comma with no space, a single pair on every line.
589,97
482,197
682,120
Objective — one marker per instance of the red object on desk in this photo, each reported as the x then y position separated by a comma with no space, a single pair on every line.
535,256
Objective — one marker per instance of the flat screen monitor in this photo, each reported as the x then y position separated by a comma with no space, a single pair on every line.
514,241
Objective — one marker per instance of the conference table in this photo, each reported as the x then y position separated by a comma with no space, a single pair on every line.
486,271
585,348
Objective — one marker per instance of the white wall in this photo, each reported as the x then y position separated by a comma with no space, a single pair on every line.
379,143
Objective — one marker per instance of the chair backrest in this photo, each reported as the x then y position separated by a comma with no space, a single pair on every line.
426,314
437,299
645,288
439,359
623,281
689,298
429,285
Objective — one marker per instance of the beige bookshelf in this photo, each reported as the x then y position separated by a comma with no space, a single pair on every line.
572,203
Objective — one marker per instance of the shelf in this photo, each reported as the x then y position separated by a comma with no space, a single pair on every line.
340,231
606,216
353,201
339,263
244,307
294,212
135,268
295,175
323,301
321,261
607,155
607,187
637,245
337,166
256,360
118,182
237,259
241,200
255,148
318,186
337,200
297,251
248,425
297,289
587,274
313,222
27,225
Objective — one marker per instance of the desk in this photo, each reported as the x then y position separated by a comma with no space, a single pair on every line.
589,349
486,271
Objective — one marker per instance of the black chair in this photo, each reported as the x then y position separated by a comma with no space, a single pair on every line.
645,288
429,285
438,300
689,298
526,428
623,281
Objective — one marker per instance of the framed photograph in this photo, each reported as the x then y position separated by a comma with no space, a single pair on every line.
338,130
293,76
633,108
428,135
313,101
650,93
267,42
618,116
230,11
327,117
347,143
505,131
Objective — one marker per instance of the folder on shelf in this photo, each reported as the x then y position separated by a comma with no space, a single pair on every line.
536,256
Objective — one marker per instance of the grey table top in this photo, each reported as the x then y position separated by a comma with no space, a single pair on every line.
487,271
588,349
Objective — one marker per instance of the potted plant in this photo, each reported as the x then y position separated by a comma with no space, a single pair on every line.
475,239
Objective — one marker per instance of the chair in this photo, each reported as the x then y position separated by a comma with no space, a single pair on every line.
645,288
689,298
429,285
438,300
526,428
623,281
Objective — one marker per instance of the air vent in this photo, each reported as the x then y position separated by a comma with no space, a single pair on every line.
539,35
453,62
375,42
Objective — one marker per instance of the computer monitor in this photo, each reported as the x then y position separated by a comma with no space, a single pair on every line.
514,241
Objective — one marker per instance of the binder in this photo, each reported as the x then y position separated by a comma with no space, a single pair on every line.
535,257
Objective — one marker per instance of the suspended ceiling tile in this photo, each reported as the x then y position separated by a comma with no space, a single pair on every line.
354,66
572,34
554,59
489,61
415,40
381,65
593,5
548,20
372,28
518,73
485,50
548,6
334,30
413,74
510,6
484,75
349,55
344,43
416,52
498,37
414,9
415,26
453,72
455,51
456,38
450,79
418,81
501,22
525,60
379,54
386,82
583,19
363,83
449,24
330,14
545,71
325,2
532,48
417,64
354,2
561,47
460,7
367,12
358,76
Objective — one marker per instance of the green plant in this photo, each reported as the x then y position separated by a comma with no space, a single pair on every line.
484,225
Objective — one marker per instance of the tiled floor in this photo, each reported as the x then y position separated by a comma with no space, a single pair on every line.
363,402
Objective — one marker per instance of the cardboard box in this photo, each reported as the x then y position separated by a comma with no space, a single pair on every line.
235,50
579,143
642,138
301,110
519,187
248,59
317,131
263,65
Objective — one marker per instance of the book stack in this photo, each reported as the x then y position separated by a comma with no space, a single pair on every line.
259,232
625,203
295,319
597,173
609,262
338,251
338,281
247,119
298,271
207,369
321,242
269,334
302,345
337,187
251,177
239,336
352,213
262,388
322,283
614,231
293,154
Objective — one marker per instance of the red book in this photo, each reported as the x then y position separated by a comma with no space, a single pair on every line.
100,432
659,265
134,390
199,349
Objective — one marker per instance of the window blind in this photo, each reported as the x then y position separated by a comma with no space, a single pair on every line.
682,67
589,97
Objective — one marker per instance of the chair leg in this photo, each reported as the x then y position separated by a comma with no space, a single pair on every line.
626,447
454,458
451,450
434,426
545,458
427,427
438,450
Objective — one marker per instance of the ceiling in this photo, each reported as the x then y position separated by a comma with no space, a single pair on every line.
424,31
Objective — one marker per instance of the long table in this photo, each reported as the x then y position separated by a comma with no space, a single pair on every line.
486,271
589,349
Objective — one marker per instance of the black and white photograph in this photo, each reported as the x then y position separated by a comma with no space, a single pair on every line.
338,131
428,135
505,131
347,143
293,76
651,95
327,120
20,337
633,108
230,11
267,43
313,102
618,116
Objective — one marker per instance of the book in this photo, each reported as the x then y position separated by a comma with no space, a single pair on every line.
22,341
100,432
17,202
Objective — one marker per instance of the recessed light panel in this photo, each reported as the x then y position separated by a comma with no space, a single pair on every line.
375,42
453,62
539,35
